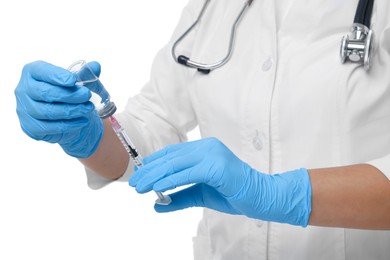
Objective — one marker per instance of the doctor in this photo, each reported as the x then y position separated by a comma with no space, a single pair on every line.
294,160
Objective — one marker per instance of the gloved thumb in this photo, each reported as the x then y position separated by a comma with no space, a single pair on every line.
198,195
95,67
182,199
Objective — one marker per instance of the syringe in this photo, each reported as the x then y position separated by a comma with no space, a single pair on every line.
137,159
106,109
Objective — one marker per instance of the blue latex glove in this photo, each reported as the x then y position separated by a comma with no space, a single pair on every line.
224,183
52,108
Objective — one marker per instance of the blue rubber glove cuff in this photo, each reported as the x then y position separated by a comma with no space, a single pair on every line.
284,198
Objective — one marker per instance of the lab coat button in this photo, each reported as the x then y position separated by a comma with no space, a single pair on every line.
267,65
257,143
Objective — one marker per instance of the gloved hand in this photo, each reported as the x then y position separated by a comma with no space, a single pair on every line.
52,108
224,183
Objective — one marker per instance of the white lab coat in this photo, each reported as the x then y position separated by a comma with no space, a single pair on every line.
283,101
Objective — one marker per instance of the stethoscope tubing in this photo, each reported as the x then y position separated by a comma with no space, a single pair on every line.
364,12
361,37
206,68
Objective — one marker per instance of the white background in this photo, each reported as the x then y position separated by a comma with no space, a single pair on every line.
46,209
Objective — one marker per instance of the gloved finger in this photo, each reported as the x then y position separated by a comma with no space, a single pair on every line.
144,178
43,71
171,160
56,111
180,148
165,151
186,198
185,177
51,131
43,91
199,195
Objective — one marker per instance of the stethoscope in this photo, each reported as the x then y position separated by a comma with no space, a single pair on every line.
355,47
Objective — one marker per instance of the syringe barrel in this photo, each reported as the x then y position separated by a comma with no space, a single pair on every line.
135,156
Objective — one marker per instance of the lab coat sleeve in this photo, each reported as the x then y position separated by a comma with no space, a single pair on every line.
161,113
382,164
